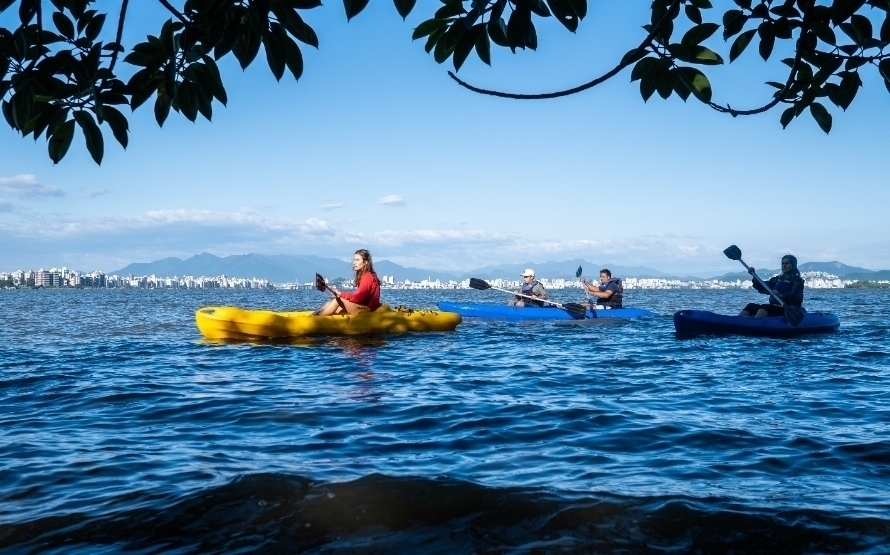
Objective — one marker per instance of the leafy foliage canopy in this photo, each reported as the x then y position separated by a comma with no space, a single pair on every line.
59,60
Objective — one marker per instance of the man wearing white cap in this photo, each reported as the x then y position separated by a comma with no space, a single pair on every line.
530,287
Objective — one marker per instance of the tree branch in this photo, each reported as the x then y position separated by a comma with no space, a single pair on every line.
804,27
173,10
605,77
120,33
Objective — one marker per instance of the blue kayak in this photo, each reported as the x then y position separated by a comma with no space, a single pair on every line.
696,322
507,312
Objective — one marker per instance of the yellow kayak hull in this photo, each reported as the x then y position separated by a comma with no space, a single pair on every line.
229,322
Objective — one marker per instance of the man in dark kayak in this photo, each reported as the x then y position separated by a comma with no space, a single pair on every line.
609,293
531,288
788,286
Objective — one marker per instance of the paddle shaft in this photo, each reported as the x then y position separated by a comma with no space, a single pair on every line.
331,291
763,283
528,296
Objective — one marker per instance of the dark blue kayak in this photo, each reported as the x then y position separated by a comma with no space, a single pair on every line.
535,313
696,322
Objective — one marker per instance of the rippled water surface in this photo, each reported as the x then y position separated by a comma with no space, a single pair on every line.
121,429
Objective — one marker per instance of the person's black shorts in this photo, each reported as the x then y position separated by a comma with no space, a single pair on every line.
771,309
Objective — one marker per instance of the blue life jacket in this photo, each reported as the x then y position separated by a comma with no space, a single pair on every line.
786,288
617,298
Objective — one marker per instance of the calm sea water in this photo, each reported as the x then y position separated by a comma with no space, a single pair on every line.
121,429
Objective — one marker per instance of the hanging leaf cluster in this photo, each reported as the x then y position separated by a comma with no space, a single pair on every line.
63,67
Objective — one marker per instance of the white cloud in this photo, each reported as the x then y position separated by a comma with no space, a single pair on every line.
93,193
27,186
392,200
34,239
332,206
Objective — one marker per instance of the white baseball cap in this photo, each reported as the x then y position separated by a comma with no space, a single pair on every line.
528,272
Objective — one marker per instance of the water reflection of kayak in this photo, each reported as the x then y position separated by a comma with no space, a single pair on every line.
697,322
507,312
229,322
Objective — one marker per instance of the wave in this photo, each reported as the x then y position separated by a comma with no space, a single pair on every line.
277,513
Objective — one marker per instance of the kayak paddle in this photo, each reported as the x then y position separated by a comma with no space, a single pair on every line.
322,286
578,273
575,310
793,314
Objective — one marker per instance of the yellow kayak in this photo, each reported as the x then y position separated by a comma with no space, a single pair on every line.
229,322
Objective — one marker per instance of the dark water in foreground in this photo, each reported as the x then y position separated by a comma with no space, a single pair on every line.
120,429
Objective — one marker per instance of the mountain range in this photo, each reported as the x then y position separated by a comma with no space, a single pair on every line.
283,268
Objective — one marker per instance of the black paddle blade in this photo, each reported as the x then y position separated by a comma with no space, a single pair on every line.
319,283
732,252
575,310
794,315
477,283
578,272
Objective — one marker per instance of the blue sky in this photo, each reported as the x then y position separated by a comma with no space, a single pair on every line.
375,147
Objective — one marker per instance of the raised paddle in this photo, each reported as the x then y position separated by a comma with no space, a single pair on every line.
322,286
575,310
793,314
578,273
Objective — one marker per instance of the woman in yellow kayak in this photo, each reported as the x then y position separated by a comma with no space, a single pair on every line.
365,298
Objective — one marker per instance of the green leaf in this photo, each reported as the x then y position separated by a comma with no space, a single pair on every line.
519,27
212,71
694,14
821,115
643,68
186,97
118,124
427,27
705,56
354,7
497,31
60,141
849,86
300,29
22,104
679,85
841,10
84,20
465,45
647,86
699,33
785,10
92,134
449,10
733,22
697,83
64,25
404,7
884,68
142,86
566,12
95,27
787,116
433,39
885,28
483,47
274,52
293,57
740,44
767,40
664,81
539,8
162,108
